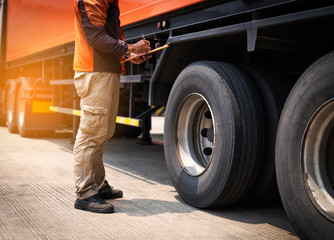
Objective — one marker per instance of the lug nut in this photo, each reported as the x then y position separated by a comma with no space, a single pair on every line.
207,114
207,151
204,132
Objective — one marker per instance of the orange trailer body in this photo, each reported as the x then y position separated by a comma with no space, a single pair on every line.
37,25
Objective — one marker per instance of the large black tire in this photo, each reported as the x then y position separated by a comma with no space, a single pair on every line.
273,91
11,112
305,152
213,134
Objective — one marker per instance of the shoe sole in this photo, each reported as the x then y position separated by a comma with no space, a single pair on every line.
95,210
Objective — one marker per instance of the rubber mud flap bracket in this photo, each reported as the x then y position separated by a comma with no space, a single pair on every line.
251,38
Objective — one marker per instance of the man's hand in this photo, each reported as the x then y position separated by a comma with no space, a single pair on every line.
139,60
142,46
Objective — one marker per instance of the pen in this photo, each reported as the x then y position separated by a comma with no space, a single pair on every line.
143,36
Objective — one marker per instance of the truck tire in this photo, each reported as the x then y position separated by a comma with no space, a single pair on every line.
305,152
11,111
213,134
22,114
273,91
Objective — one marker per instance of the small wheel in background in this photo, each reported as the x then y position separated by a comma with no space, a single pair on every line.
22,114
11,112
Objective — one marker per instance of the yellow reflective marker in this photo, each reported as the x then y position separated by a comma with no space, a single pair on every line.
128,121
121,120
76,112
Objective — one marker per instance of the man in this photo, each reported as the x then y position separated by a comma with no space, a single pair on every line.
99,47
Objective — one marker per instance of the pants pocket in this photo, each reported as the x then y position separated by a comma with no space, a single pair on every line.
93,119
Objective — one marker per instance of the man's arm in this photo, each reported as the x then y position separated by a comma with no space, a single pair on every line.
94,15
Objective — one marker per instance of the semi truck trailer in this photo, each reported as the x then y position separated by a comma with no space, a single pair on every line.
248,87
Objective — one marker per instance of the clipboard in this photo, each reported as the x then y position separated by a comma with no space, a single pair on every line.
149,52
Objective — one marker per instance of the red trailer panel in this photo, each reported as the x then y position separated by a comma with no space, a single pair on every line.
134,11
37,25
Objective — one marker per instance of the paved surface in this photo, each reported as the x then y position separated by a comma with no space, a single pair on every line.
37,197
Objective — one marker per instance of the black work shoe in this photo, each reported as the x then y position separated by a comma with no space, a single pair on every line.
94,204
108,192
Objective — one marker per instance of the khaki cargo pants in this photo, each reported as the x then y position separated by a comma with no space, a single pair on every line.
99,97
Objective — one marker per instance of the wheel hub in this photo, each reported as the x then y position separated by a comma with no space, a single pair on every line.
195,134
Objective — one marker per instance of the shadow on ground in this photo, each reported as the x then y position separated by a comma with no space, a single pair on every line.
126,156
273,215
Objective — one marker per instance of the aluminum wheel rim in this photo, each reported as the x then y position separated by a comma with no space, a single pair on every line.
195,133
318,159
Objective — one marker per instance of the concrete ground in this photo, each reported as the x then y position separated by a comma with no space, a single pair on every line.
37,197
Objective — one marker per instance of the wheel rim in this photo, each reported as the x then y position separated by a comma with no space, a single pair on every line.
195,135
317,159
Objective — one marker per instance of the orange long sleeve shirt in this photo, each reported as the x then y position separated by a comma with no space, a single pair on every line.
99,42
